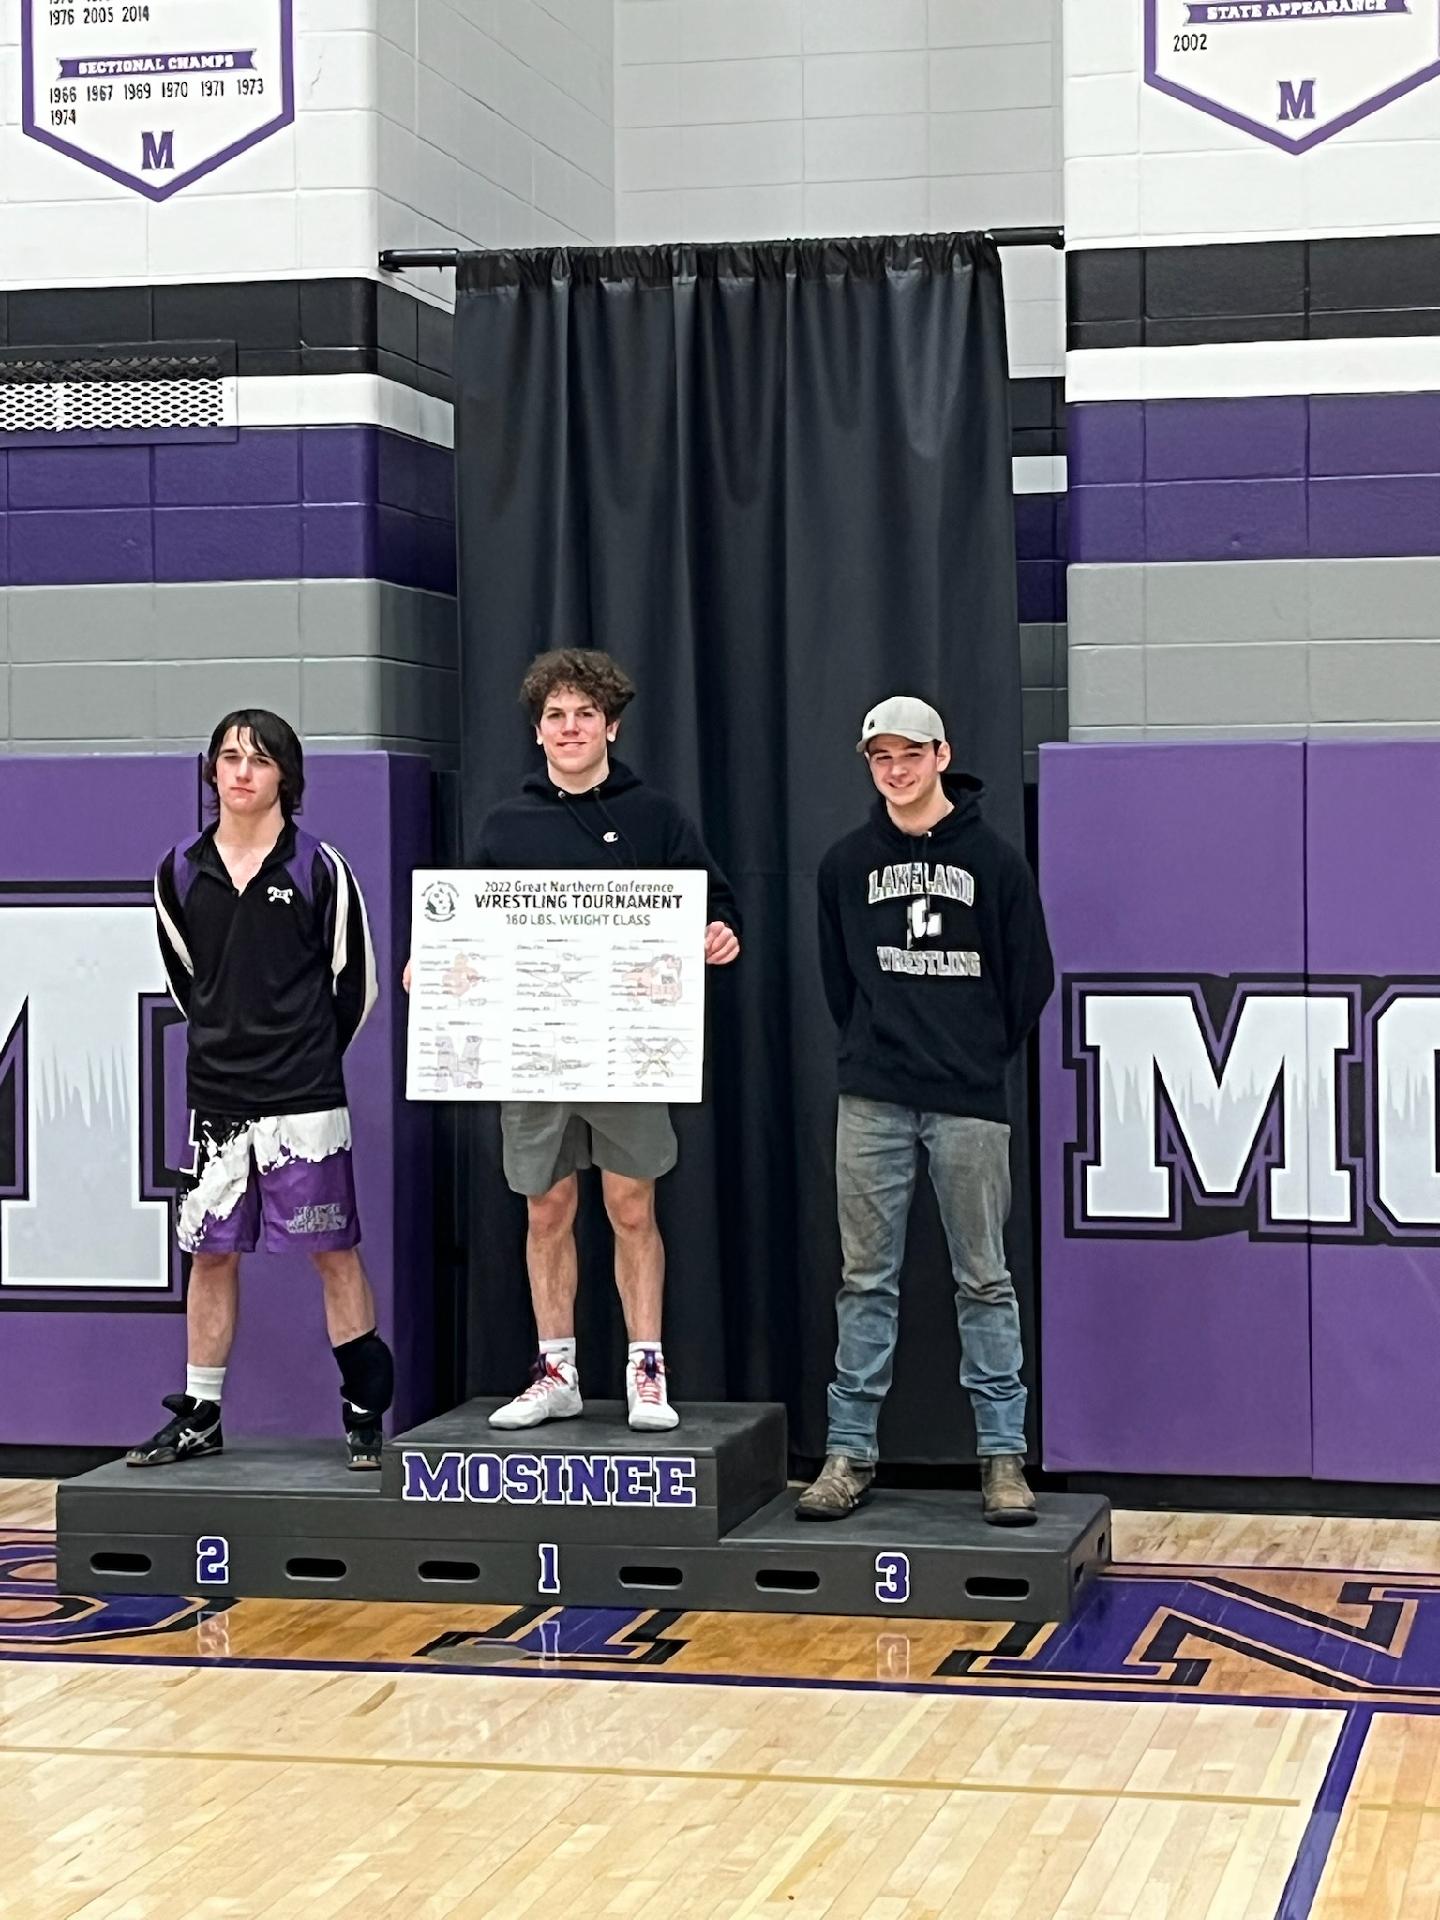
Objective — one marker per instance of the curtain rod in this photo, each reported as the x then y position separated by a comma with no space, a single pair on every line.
405,259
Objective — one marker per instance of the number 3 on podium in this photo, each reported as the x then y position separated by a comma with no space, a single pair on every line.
892,1577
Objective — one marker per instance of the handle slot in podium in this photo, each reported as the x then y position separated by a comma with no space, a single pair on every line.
120,1562
448,1570
787,1580
651,1576
310,1568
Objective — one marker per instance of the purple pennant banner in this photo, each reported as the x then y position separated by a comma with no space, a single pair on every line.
1224,13
127,66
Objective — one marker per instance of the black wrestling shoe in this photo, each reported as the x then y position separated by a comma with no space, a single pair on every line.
194,1432
364,1437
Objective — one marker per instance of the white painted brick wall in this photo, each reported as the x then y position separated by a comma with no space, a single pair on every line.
503,122
751,119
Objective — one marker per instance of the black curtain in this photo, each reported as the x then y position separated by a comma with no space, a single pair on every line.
774,481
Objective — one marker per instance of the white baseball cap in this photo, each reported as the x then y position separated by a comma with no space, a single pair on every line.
902,714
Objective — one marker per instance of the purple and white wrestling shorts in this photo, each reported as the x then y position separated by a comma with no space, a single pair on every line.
293,1173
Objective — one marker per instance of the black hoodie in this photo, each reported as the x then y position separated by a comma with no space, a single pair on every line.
620,823
935,958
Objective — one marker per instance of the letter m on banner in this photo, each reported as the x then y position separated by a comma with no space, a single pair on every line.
1297,102
157,154
1290,72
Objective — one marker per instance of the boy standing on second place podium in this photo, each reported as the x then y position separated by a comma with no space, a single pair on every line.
267,950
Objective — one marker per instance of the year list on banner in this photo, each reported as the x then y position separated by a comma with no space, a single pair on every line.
557,986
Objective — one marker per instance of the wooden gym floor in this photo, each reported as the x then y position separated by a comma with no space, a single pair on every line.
1245,1720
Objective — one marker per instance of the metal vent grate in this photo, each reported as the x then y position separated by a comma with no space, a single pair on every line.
121,406
52,391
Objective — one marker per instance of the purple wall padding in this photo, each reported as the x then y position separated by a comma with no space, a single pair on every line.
1169,1355
93,1375
1374,885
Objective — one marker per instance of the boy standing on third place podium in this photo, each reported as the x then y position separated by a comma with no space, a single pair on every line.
936,966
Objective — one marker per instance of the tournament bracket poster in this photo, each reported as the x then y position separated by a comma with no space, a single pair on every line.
154,94
557,986
1290,72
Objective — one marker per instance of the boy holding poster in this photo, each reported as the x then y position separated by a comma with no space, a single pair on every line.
584,809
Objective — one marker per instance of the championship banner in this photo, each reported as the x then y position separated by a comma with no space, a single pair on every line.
155,94
558,986
1318,66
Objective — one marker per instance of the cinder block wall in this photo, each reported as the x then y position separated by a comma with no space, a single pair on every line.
303,556
1254,409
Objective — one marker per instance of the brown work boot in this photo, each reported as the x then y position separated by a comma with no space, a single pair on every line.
1008,1501
840,1488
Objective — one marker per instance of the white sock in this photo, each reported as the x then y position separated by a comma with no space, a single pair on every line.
205,1383
562,1352
639,1349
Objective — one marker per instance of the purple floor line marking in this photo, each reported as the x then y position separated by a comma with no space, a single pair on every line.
659,1676
1320,1830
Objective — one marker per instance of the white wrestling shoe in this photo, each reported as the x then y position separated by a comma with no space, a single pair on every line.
553,1394
650,1408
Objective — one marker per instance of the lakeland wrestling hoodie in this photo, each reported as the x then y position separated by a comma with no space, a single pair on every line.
620,823
934,956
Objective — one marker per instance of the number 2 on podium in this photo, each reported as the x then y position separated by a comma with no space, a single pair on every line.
212,1561
549,1569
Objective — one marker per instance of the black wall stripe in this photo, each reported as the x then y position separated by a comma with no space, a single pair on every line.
286,327
1253,290
279,327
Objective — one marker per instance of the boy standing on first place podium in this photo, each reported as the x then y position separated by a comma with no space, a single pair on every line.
584,809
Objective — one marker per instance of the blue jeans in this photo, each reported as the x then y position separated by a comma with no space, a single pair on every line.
877,1151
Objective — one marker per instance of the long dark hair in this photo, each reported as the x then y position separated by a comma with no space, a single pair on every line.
274,736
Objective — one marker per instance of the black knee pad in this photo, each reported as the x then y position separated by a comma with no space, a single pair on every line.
367,1372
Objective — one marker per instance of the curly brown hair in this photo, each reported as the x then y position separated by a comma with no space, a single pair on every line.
585,670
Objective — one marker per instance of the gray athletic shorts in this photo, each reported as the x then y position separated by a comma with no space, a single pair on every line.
544,1141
